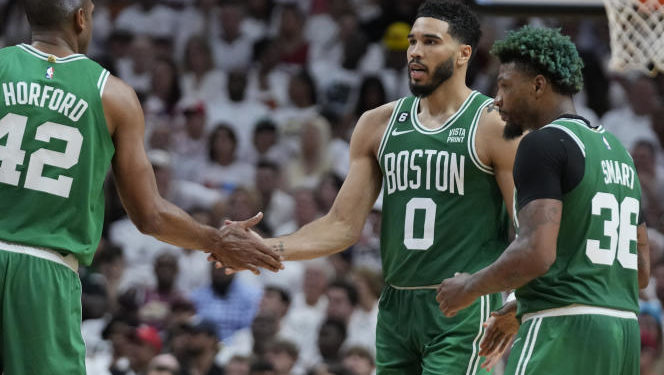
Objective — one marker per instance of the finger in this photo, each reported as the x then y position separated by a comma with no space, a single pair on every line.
505,344
269,263
218,265
490,362
273,259
253,269
228,222
439,297
246,224
230,271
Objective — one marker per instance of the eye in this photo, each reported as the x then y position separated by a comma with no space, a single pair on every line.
412,42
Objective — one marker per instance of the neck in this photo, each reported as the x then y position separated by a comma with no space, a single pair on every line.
447,98
556,106
54,43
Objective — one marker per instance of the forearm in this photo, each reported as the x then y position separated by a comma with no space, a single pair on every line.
515,268
169,223
319,238
643,256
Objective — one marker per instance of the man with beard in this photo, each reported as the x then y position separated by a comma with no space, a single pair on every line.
445,169
582,250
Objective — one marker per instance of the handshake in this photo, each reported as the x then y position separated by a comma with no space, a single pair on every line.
239,248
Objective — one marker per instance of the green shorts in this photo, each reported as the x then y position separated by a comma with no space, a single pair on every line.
576,344
40,317
414,337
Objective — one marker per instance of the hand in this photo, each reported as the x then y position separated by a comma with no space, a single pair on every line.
241,248
452,294
501,327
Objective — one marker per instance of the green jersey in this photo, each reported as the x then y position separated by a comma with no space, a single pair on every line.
55,151
596,255
442,209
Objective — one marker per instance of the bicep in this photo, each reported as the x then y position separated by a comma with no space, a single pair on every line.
363,182
133,172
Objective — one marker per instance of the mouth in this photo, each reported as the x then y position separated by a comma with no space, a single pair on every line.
417,71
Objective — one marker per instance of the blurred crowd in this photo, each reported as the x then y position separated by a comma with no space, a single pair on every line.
249,106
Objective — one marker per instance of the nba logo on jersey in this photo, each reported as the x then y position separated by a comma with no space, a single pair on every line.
50,72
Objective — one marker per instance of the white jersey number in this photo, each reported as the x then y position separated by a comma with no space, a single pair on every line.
429,207
13,126
618,228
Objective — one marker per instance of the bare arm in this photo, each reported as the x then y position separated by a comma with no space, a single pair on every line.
342,226
643,253
527,257
152,214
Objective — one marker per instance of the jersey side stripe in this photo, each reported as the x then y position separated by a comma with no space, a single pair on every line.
487,313
389,127
472,151
474,357
537,324
576,139
524,350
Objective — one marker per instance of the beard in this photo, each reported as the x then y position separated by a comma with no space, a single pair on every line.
512,130
441,73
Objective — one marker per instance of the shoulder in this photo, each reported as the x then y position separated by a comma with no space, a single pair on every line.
120,103
371,125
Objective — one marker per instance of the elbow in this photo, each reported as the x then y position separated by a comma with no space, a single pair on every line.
147,221
541,261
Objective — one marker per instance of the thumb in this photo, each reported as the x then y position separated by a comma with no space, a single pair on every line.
253,221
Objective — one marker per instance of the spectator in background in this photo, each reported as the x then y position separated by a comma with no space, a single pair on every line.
239,112
342,297
190,145
147,17
203,345
306,211
301,107
201,81
362,324
313,160
199,18
136,68
632,123
262,367
232,47
327,191
652,183
228,302
266,144
145,345
386,60
277,205
165,92
359,360
223,170
238,365
331,336
154,303
267,81
292,43
258,18
164,364
282,354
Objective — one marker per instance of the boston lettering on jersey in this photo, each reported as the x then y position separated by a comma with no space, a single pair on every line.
34,94
431,169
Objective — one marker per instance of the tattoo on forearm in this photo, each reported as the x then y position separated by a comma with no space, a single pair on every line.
279,248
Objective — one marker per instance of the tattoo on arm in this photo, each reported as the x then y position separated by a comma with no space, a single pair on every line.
279,248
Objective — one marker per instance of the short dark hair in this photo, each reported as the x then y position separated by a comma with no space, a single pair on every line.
545,51
283,293
349,288
221,127
50,13
464,25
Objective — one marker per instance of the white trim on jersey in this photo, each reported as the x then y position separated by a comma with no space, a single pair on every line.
68,260
579,310
576,139
422,129
472,150
105,74
42,56
388,128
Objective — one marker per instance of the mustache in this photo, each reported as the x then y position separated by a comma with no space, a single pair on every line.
418,62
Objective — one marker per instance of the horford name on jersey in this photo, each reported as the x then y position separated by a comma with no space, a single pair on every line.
34,94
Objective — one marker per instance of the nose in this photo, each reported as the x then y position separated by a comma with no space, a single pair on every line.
414,51
498,101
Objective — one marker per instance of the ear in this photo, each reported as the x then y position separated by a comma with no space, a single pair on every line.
540,85
465,52
80,21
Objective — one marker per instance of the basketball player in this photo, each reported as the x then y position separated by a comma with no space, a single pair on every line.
63,121
446,170
581,254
